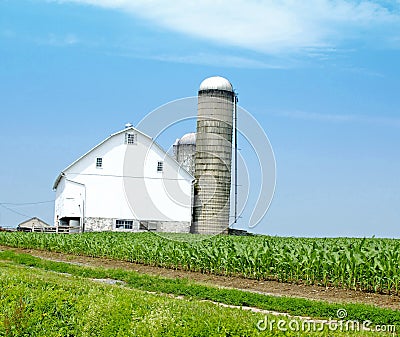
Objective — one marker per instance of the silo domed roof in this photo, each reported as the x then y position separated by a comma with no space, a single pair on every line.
188,139
216,82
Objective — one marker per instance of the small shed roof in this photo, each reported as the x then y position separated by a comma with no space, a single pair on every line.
33,222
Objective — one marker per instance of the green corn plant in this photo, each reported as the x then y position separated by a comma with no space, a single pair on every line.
366,264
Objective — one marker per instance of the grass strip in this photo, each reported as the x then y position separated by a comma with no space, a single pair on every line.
293,306
46,304
40,303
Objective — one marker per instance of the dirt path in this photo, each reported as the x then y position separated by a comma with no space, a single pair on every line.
267,287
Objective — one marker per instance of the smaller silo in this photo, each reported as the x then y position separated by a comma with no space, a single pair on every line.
185,150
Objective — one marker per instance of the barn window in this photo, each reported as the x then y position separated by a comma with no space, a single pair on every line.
160,166
124,224
99,162
130,138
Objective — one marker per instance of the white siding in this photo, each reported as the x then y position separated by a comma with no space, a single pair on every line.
127,186
70,198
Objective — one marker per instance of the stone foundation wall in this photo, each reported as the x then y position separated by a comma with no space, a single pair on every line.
99,224
173,226
108,224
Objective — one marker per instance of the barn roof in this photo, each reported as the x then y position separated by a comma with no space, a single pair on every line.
127,128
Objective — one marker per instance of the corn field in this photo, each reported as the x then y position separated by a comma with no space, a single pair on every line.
364,264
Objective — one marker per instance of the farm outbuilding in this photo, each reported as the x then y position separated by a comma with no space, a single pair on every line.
125,183
33,225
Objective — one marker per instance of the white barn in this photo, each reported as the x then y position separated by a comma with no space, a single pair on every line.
125,183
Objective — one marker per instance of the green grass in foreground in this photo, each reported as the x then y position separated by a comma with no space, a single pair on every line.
36,302
294,306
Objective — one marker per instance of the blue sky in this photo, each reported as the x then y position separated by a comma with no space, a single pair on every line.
321,77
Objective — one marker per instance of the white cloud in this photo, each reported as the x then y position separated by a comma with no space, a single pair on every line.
266,26
214,59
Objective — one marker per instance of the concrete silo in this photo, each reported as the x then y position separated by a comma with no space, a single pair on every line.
216,100
184,151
